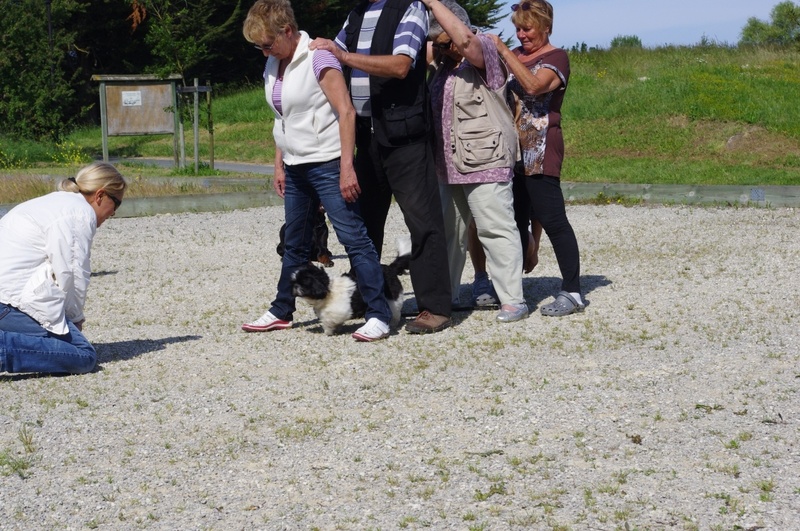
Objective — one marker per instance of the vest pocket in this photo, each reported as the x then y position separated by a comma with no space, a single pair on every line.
470,108
474,149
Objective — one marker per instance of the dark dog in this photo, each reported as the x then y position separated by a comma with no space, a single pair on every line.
337,299
319,243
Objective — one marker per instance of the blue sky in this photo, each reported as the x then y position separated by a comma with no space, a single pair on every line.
656,23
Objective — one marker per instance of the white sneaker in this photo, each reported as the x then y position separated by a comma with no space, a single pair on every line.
372,331
265,323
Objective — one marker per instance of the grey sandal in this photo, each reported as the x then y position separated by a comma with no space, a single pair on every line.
565,304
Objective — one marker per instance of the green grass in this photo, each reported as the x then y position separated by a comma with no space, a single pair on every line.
672,115
681,115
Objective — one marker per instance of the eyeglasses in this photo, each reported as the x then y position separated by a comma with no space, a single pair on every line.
114,200
444,46
264,47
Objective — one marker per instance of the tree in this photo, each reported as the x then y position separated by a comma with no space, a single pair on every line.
36,93
484,14
783,30
626,41
321,18
189,37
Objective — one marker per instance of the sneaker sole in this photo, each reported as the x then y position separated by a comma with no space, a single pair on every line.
512,319
485,300
266,328
425,330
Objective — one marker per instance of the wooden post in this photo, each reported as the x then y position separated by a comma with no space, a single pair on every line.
196,126
210,127
104,120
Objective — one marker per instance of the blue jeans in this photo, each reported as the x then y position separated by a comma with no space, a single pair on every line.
27,347
306,186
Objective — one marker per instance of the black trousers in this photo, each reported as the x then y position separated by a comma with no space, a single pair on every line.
408,174
540,197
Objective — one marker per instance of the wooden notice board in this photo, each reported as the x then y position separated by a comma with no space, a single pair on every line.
138,105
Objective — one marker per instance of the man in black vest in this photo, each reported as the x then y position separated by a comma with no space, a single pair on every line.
382,47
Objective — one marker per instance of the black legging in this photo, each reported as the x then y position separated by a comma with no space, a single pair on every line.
540,197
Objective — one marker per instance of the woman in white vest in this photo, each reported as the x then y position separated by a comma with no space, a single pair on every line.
45,248
476,147
314,135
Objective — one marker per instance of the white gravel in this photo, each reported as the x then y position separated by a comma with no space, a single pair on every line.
672,402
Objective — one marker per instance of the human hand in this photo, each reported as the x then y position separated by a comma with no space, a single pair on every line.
328,45
79,325
279,182
348,184
496,40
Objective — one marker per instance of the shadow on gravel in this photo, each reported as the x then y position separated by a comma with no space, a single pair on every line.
125,350
108,352
540,289
535,289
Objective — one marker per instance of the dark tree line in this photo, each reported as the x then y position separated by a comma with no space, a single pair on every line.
52,48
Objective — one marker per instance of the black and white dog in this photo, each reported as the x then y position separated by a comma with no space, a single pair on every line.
337,299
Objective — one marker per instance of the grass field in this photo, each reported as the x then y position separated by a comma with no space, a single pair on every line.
672,115
684,115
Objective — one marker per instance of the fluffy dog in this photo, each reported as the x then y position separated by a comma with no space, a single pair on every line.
337,299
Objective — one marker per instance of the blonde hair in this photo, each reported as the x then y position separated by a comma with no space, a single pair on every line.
535,14
268,18
93,177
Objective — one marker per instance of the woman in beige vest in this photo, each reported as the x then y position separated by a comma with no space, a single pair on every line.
475,148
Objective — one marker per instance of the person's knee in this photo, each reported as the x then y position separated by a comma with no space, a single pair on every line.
555,224
86,362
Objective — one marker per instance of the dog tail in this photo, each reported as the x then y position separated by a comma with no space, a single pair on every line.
401,264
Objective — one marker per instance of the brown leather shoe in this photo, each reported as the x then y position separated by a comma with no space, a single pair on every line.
427,322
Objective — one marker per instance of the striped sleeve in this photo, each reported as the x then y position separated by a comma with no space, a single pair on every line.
412,31
324,59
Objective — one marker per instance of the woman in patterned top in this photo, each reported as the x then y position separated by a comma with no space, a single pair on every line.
539,77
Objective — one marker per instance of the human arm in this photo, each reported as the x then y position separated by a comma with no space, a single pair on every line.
462,37
279,178
68,246
542,82
332,83
396,66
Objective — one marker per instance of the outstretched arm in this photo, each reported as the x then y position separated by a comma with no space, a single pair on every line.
396,66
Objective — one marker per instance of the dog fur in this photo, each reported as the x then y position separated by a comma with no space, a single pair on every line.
337,299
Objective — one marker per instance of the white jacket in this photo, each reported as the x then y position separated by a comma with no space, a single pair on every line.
45,248
308,129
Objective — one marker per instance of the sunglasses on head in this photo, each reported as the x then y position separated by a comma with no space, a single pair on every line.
444,46
525,6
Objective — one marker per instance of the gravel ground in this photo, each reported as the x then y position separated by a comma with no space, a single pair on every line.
671,403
